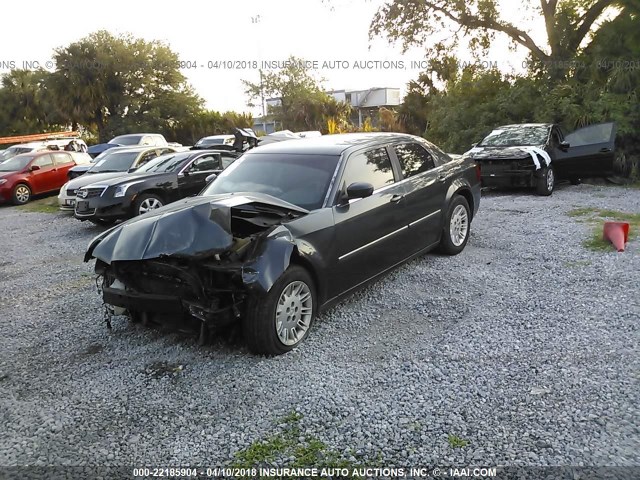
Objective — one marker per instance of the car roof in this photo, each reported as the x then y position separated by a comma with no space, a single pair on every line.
139,148
333,144
519,125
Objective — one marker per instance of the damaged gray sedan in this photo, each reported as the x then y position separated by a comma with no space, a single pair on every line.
286,231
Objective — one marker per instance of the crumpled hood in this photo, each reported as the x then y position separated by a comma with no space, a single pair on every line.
89,178
191,227
501,153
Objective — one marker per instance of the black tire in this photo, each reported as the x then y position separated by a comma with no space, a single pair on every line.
546,182
145,199
103,222
21,194
450,244
259,323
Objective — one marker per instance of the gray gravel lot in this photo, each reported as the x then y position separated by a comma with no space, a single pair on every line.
525,346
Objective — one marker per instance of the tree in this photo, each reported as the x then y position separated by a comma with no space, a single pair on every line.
119,84
568,24
304,105
27,103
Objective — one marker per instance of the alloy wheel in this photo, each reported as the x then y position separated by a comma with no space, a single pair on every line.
550,179
294,312
459,225
149,204
22,194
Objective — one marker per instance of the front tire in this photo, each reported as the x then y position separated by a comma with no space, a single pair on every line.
278,321
21,194
457,224
546,182
147,202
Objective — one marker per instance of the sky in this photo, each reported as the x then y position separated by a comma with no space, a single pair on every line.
222,42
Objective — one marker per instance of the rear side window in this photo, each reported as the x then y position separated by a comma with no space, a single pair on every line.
414,159
62,158
372,167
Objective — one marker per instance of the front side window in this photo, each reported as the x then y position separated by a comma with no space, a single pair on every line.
414,159
205,164
43,161
372,167
592,135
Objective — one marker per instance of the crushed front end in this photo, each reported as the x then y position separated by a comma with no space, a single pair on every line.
193,266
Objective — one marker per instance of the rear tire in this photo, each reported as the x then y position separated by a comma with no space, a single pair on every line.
278,321
457,225
546,182
21,194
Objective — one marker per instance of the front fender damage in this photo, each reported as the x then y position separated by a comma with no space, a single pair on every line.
194,266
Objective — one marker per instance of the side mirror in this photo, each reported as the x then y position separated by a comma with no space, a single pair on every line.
359,190
132,169
34,168
211,177
564,145
474,145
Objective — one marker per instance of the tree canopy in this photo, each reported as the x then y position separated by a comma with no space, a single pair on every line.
303,104
568,25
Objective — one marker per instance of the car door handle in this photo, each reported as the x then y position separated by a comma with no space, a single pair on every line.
442,178
396,198
605,150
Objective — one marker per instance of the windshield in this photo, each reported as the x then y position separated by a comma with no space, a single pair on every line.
210,141
114,162
299,179
16,163
12,152
166,163
517,136
126,139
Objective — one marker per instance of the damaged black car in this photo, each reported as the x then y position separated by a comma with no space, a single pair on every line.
538,155
286,231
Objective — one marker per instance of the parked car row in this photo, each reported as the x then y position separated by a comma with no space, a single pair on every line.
268,237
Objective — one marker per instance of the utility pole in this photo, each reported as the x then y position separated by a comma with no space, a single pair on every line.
256,20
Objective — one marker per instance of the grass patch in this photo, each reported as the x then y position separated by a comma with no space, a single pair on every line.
42,205
457,442
289,448
596,217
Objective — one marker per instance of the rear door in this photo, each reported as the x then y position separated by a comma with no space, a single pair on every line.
371,232
63,162
590,152
425,186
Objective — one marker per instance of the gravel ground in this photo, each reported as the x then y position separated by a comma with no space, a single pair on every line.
525,346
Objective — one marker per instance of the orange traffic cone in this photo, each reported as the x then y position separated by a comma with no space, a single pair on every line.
617,233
